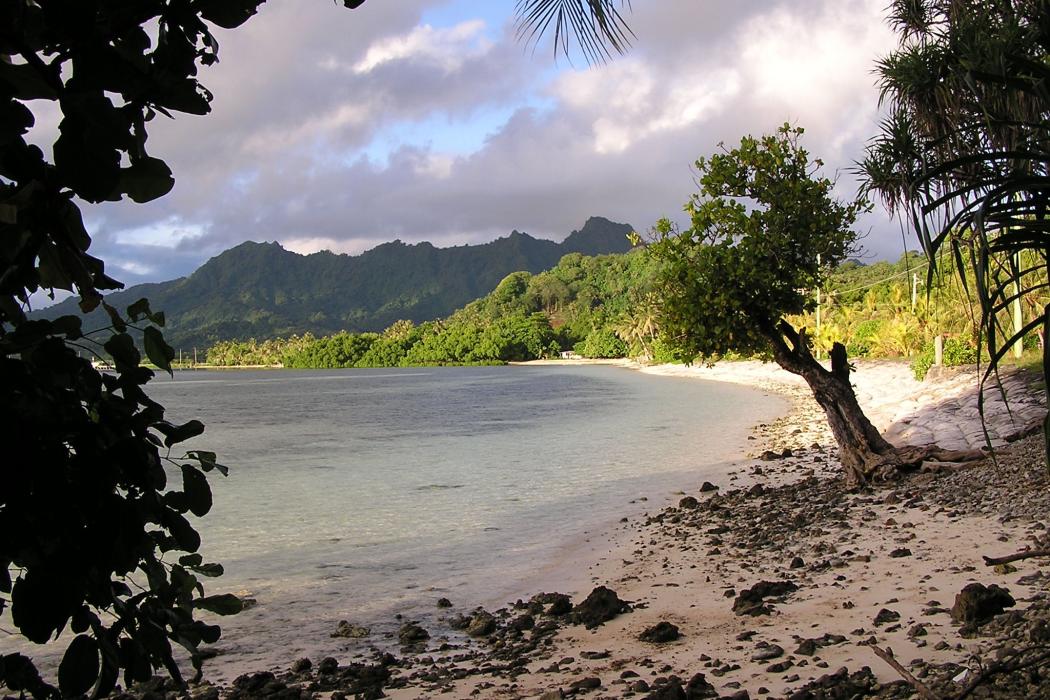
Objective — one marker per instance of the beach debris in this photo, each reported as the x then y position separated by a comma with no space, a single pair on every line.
767,652
365,680
346,628
979,603
459,621
672,688
840,685
599,607
885,615
752,600
660,633
481,624
522,623
808,647
555,604
410,633
588,683
257,685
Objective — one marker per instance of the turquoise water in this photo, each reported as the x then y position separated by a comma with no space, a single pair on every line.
360,494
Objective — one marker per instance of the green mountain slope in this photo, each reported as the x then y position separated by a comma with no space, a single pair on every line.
261,290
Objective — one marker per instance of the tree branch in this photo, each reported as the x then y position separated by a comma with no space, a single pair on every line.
992,561
919,686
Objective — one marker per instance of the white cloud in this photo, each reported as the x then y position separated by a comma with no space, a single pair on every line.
304,89
447,48
305,246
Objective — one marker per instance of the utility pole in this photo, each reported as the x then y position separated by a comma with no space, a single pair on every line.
1018,318
818,304
914,290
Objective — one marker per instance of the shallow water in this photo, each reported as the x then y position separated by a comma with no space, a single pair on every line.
359,494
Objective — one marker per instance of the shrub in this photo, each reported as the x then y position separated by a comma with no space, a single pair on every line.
956,352
601,343
863,338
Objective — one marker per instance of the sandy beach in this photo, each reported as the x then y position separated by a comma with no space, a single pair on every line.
837,574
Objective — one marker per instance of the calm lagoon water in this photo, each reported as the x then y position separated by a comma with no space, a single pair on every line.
359,494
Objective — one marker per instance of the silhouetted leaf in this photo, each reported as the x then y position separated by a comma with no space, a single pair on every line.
157,350
209,570
122,349
187,538
25,82
36,607
225,604
139,310
198,493
174,434
82,620
115,318
207,461
210,633
191,560
79,668
5,576
146,179
228,14
68,326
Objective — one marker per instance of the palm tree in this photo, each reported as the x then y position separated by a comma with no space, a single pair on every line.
964,154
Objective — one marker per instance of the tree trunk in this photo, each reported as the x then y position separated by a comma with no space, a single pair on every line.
864,454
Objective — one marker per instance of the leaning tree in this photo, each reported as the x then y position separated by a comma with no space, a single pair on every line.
765,228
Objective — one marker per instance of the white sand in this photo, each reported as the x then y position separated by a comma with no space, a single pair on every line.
681,581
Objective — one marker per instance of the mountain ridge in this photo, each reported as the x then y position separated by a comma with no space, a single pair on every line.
262,290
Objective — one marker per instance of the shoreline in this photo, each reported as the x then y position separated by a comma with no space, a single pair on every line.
903,550
897,558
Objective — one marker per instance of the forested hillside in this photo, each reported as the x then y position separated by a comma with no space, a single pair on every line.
261,290
606,306
582,303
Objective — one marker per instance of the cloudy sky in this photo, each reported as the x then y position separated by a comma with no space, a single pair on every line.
427,120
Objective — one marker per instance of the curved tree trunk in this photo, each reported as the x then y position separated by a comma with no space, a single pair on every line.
864,454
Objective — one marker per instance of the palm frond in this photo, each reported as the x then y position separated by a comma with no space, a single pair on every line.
596,27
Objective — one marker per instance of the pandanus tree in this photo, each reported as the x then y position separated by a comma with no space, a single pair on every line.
764,231
963,155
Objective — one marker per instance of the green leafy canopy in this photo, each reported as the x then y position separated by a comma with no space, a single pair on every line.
764,229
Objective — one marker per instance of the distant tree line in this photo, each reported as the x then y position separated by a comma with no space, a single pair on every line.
606,307
579,305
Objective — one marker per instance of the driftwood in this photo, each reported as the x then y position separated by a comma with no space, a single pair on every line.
1031,553
999,667
919,686
993,669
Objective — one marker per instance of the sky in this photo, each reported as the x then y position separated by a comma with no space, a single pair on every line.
427,120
